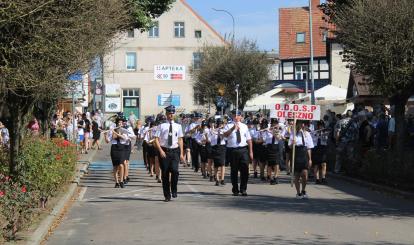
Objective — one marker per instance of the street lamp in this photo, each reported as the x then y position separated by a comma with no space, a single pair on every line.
227,12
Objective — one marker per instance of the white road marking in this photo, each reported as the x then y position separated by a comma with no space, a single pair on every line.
118,194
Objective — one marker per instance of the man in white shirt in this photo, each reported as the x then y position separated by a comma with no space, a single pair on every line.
169,142
240,143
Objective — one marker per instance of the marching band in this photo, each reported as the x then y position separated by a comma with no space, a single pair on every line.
209,144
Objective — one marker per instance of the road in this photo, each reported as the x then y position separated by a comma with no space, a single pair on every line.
339,213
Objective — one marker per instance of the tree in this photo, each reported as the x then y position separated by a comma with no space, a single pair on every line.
222,67
44,41
378,39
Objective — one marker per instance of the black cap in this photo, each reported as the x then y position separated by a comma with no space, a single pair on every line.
249,122
219,121
204,123
255,121
239,112
274,120
170,109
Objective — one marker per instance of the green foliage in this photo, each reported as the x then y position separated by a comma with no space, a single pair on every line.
223,67
382,167
16,204
378,36
45,166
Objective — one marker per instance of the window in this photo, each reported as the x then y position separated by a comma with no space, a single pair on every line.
197,58
130,33
154,31
197,34
131,61
178,29
301,72
130,92
300,37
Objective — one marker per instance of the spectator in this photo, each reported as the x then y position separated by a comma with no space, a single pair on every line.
4,136
34,126
132,119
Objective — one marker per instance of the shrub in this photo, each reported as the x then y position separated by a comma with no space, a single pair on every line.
16,203
45,166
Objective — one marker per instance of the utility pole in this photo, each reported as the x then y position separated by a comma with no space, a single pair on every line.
311,54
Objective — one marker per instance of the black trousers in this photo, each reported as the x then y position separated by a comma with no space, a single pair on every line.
239,161
194,154
169,164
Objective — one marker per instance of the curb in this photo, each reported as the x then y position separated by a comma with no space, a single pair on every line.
43,230
377,187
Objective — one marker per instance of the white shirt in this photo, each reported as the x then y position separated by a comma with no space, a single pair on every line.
268,137
232,138
322,135
149,133
191,127
162,134
131,134
299,142
213,135
200,137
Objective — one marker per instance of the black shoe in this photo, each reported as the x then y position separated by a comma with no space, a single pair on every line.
125,181
318,182
156,177
127,178
244,193
211,178
255,175
273,182
222,182
262,178
208,175
167,199
204,176
276,181
235,194
159,180
217,183
288,173
121,184
324,181
116,185
174,195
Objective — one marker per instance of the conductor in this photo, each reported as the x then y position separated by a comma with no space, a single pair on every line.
169,142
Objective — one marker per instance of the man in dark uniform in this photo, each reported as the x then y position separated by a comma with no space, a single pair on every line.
240,142
169,142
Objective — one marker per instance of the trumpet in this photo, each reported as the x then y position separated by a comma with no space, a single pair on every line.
106,131
278,128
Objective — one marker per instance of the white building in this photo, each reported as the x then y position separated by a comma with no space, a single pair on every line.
152,69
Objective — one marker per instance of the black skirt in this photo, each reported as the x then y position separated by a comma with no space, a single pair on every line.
187,142
210,154
273,154
219,155
127,151
117,154
151,151
301,158
319,154
203,153
259,152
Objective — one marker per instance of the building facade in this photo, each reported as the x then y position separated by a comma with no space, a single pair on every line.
294,47
150,70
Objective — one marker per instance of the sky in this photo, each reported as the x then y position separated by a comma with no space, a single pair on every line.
254,19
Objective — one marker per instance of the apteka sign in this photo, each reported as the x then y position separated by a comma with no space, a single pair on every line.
298,111
169,72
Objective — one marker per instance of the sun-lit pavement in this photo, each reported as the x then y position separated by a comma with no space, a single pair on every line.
340,213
